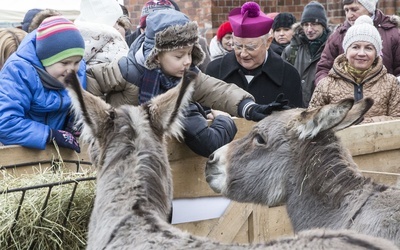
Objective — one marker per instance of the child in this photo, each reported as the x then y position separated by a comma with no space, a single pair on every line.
176,49
34,105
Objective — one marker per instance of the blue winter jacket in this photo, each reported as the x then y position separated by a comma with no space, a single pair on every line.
27,109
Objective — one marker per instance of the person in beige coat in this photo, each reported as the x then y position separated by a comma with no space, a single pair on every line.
359,73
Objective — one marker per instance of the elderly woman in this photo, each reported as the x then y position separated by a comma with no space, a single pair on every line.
359,73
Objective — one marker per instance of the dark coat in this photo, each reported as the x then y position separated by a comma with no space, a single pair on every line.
277,76
304,62
131,37
203,139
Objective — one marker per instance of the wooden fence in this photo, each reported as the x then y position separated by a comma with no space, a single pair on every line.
375,148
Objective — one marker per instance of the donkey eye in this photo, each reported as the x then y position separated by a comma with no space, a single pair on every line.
258,138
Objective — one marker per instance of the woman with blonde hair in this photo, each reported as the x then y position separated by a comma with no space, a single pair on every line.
10,38
359,72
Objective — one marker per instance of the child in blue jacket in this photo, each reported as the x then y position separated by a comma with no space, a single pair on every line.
34,104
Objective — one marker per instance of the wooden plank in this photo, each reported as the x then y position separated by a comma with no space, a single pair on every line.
371,138
272,223
385,161
189,180
383,177
200,228
230,222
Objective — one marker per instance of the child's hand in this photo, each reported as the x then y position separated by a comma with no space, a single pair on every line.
216,113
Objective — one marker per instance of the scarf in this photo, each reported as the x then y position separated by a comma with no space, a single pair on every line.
314,45
155,82
48,81
358,75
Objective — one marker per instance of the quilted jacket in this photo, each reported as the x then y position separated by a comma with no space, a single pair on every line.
378,84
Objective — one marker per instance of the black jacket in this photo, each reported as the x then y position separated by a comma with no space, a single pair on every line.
277,76
203,139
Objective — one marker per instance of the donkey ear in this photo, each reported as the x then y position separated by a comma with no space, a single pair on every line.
324,118
90,110
355,115
166,110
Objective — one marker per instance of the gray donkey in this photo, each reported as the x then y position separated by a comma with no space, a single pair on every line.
134,183
293,157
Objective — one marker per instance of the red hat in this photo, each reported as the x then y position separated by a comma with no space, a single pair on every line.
249,21
224,29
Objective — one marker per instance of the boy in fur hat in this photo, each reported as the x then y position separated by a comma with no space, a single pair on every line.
387,26
118,82
174,50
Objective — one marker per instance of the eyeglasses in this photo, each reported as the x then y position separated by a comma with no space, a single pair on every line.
311,25
248,48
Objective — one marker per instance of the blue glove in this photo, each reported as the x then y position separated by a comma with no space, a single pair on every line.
257,112
64,139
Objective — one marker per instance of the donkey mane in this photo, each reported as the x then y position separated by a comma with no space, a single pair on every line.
325,168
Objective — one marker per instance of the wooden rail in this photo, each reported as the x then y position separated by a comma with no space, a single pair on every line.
375,148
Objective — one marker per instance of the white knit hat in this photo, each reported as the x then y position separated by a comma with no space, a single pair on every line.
100,11
363,30
370,5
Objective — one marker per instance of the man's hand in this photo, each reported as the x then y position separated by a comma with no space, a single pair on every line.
257,112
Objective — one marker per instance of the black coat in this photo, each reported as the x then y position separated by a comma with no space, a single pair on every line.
277,76
203,139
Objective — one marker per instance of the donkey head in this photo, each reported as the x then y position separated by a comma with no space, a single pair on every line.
127,143
256,168
128,127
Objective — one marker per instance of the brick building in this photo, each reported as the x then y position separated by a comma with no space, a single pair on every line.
209,14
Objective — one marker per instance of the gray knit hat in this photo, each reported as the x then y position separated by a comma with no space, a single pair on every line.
363,30
370,5
168,30
314,12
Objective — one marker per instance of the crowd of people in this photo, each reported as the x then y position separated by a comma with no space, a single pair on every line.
255,64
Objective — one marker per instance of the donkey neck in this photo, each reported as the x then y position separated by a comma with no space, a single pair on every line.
130,182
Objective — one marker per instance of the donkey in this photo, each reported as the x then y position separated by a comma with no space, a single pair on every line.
134,184
293,157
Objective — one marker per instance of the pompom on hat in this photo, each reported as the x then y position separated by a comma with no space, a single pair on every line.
58,38
224,28
363,30
249,21
169,30
151,6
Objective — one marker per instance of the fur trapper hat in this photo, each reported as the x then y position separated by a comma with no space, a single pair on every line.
40,16
174,36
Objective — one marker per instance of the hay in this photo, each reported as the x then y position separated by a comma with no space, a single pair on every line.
61,223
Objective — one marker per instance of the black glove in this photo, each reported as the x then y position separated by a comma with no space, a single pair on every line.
64,139
257,112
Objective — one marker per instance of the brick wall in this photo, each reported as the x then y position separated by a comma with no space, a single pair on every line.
209,14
